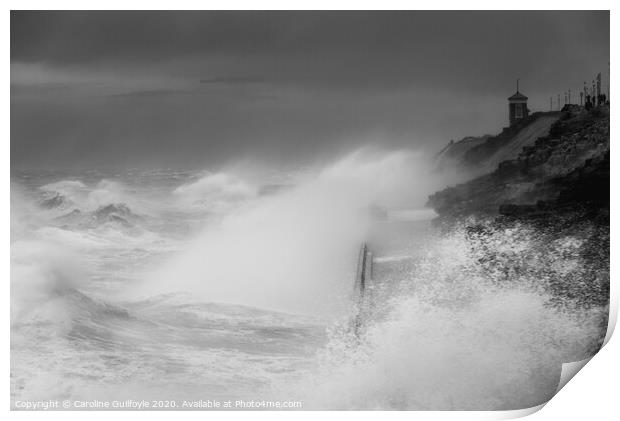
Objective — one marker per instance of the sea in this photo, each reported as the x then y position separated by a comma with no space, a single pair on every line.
233,288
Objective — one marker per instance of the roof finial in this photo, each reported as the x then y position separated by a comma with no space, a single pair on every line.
517,85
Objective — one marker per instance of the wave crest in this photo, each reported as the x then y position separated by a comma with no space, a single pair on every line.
217,192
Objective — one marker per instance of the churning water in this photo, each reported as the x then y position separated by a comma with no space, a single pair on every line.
229,285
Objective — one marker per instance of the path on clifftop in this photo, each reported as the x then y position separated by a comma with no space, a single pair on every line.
477,156
525,137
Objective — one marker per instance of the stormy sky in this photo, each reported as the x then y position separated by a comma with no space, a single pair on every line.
197,89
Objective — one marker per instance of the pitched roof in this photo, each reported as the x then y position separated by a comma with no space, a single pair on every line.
518,95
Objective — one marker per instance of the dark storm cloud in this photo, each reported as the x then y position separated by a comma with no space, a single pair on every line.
65,37
380,48
280,83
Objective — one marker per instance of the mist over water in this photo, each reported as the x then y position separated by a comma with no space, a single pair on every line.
184,285
294,250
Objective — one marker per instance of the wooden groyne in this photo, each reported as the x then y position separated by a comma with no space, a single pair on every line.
363,278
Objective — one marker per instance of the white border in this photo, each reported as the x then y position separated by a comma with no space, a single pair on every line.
592,396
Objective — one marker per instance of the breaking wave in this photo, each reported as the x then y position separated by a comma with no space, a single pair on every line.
218,192
77,195
293,250
469,324
258,303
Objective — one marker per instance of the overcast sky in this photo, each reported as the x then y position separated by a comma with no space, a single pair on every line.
198,89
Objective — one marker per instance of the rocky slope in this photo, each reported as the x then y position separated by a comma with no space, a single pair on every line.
476,156
566,170
554,196
452,154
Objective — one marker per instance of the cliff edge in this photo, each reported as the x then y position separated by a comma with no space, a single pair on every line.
475,156
565,171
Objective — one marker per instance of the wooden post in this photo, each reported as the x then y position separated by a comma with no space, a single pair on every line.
362,278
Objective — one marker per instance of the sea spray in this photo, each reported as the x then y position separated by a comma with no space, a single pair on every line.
456,333
219,192
293,250
470,319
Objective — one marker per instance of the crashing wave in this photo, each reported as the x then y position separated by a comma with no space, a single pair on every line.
116,214
54,201
216,192
45,283
85,198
